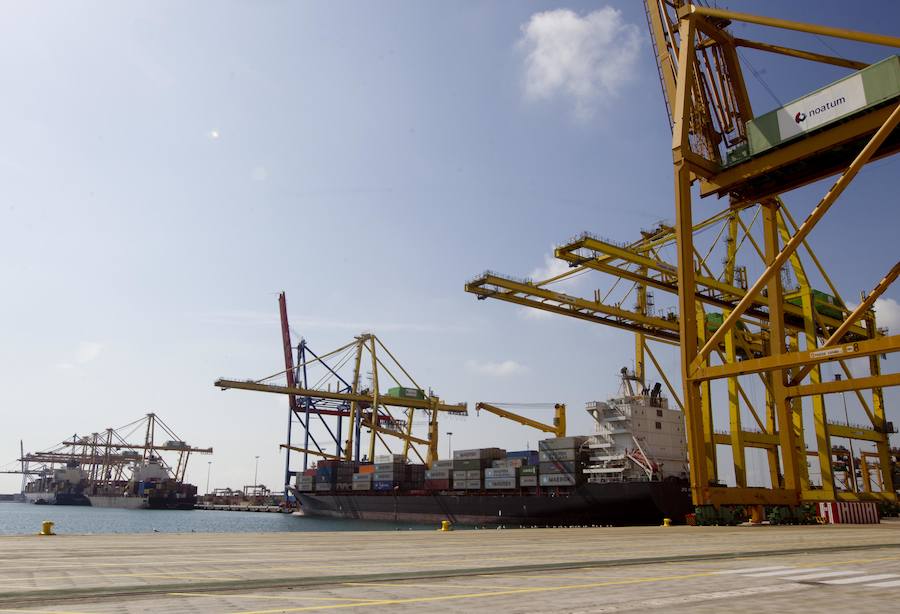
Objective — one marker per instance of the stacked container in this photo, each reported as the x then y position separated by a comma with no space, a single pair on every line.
390,471
305,482
362,479
469,464
562,461
439,476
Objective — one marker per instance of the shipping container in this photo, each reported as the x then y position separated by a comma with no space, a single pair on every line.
569,454
383,485
469,465
499,483
442,464
562,443
402,392
504,463
528,470
473,475
362,477
437,474
437,484
557,479
473,484
500,472
528,480
398,459
367,469
387,476
380,467
872,86
459,476
558,467
479,454
362,485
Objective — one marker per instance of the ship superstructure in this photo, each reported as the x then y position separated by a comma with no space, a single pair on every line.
638,437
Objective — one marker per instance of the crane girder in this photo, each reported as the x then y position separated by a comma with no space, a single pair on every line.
492,285
432,403
604,256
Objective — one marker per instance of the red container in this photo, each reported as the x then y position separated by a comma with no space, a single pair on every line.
437,484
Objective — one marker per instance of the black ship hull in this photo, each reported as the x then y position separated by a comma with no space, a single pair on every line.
621,503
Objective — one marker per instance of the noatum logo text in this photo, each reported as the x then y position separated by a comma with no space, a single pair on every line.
800,117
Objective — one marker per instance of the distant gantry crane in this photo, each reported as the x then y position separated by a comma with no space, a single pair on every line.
748,316
340,391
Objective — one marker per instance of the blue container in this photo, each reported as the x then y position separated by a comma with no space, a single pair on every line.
382,486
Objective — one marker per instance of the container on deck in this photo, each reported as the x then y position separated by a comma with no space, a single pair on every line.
528,480
557,479
475,474
437,484
500,472
562,443
499,483
473,484
479,454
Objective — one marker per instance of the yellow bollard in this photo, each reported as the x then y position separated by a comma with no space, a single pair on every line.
47,528
445,525
667,522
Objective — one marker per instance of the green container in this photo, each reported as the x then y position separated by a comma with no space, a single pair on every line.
869,87
824,303
528,470
406,393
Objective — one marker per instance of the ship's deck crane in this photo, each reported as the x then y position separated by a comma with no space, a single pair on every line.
557,429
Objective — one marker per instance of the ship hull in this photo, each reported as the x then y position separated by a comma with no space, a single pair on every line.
623,503
52,498
143,503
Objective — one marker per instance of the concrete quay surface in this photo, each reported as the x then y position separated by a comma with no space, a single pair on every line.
674,569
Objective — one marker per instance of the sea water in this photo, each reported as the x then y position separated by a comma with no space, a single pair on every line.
26,518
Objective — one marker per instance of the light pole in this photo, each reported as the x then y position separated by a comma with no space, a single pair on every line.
855,486
208,469
449,445
255,473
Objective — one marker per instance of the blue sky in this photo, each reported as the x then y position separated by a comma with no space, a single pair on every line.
168,168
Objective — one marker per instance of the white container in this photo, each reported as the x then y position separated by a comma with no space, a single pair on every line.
474,474
500,472
499,483
459,476
557,479
528,480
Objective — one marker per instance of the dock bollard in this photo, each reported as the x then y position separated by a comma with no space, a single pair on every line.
445,525
47,528
667,522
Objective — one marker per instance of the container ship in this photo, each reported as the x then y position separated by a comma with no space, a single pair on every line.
104,470
632,470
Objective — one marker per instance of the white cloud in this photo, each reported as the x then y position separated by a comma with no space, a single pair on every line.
586,59
496,369
87,351
84,353
551,268
887,313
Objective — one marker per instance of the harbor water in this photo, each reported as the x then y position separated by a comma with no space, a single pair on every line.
26,518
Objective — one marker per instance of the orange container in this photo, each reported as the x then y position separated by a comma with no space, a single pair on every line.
366,469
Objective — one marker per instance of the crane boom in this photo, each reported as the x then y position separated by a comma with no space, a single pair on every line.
558,428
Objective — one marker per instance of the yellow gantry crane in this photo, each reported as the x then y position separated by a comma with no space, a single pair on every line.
557,429
746,316
365,407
